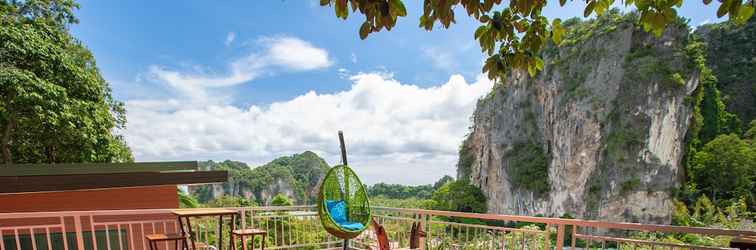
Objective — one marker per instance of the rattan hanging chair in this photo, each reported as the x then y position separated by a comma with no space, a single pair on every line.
343,205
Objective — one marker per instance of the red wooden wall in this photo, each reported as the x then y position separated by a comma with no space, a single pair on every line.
84,200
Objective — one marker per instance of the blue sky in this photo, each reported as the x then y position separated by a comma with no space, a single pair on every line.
254,80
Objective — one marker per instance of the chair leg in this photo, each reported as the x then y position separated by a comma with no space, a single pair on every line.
263,242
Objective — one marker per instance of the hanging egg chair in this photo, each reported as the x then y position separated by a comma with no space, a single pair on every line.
343,203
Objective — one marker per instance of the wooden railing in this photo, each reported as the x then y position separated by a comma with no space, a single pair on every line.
298,227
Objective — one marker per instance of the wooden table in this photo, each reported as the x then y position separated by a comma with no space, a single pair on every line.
186,214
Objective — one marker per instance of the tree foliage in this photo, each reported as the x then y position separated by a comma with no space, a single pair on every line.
725,169
459,196
441,182
398,191
280,200
56,107
512,35
186,200
230,201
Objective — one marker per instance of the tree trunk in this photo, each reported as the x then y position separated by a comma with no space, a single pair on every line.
5,140
50,153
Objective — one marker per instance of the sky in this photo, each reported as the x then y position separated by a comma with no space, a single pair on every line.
255,80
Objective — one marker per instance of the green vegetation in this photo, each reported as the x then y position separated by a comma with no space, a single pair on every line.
725,170
512,34
730,55
720,162
56,107
398,191
459,196
629,185
281,200
702,213
529,167
229,201
466,159
186,200
383,201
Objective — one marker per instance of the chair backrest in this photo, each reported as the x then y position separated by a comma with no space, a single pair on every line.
415,235
383,243
381,236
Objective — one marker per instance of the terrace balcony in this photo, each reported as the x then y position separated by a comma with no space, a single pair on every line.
298,227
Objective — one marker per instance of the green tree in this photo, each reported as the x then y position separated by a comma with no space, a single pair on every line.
441,182
716,120
186,200
725,169
55,107
280,200
230,201
459,196
513,34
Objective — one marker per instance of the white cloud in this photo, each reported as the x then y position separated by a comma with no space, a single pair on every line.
398,133
277,53
230,37
295,54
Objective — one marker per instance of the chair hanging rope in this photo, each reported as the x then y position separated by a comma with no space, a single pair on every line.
343,204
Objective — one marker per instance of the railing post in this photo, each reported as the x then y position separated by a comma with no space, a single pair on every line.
547,236
79,233
560,237
427,238
243,217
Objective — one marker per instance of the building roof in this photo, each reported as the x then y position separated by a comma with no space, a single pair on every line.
23,178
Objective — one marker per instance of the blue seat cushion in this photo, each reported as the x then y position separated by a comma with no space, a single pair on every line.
351,225
337,209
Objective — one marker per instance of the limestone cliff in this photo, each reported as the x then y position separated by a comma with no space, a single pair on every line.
295,176
599,133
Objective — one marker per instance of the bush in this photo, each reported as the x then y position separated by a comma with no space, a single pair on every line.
280,200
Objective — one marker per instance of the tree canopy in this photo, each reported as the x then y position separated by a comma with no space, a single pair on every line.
513,35
56,107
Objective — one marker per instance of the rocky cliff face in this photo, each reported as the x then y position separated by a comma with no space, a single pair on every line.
295,176
599,133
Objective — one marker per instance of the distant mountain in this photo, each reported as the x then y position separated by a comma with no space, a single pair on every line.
295,176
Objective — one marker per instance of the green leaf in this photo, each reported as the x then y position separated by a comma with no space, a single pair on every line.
325,2
538,63
723,8
398,7
479,32
341,9
589,9
531,70
365,30
556,31
706,2
562,2
745,13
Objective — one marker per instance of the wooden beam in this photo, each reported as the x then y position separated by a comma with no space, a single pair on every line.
94,168
47,183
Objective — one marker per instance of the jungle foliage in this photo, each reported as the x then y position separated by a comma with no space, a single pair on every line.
56,107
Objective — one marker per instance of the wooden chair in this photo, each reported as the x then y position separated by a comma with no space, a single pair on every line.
383,243
241,233
153,239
